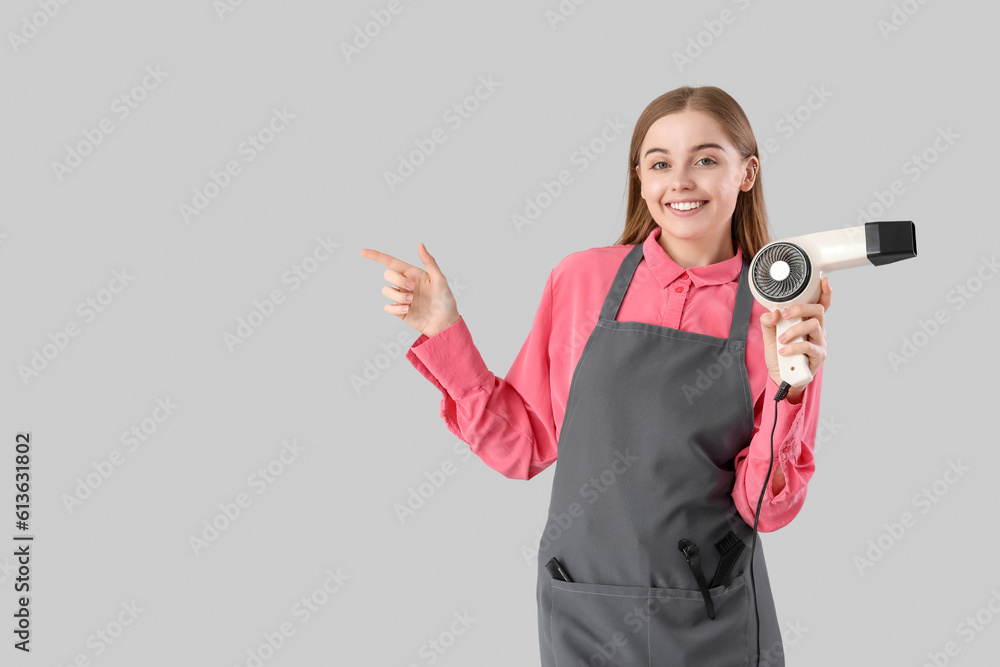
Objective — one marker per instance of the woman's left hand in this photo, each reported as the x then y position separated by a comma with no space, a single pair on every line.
810,328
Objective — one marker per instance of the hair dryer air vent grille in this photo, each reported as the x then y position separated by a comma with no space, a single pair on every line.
781,271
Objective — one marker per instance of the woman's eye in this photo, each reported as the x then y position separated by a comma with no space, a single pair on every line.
654,165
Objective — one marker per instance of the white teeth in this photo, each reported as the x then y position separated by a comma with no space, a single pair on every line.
686,206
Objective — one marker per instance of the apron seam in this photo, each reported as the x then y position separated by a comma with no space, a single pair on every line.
552,616
649,632
610,595
746,633
747,405
571,396
718,342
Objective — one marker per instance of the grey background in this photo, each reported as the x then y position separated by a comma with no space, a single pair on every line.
885,434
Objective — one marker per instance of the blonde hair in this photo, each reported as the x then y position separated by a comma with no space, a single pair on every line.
749,222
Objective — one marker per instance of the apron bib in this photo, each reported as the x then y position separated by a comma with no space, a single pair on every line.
654,420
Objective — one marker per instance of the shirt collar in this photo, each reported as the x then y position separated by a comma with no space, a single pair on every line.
667,271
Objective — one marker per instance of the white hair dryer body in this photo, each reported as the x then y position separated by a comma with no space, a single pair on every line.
789,271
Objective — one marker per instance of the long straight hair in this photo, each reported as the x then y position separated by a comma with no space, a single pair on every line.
749,226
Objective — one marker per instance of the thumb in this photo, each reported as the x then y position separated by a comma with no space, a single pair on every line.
429,262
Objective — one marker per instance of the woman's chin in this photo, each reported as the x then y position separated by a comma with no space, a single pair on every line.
686,229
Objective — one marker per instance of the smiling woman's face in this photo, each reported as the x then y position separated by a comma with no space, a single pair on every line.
686,157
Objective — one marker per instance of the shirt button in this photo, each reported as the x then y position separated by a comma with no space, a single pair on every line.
684,276
678,289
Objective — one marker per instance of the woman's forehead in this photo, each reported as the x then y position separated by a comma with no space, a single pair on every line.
685,131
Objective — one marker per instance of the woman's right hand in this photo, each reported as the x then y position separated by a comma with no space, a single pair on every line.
422,298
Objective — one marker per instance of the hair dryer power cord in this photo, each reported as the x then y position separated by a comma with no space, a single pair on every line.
778,397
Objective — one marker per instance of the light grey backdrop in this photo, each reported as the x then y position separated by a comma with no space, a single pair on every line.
171,168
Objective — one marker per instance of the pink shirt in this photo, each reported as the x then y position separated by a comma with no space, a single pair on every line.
513,423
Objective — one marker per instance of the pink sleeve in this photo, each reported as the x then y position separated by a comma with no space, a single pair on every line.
794,440
507,422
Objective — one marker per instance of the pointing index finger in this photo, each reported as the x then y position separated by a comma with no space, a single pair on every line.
385,260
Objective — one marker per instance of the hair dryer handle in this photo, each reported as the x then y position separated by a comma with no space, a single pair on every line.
794,368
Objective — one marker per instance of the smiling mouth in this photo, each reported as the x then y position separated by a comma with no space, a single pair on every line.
687,206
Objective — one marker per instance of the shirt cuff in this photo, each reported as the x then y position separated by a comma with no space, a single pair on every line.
450,360
787,442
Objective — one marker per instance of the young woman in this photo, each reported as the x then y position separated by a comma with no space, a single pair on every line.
643,376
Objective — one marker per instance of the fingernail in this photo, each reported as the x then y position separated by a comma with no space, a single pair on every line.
786,312
410,284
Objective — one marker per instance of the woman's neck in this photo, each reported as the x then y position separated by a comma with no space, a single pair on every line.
688,254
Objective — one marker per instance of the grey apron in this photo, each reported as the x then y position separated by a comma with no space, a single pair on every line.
654,420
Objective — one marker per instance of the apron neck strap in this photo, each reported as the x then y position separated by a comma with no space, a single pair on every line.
743,307
613,301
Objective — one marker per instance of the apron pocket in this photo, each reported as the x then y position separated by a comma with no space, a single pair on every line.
681,633
600,624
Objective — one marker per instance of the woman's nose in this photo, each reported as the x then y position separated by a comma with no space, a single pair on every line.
682,178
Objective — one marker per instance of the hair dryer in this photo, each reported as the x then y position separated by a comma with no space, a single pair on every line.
789,271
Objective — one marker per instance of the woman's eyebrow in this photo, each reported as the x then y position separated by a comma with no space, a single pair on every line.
693,149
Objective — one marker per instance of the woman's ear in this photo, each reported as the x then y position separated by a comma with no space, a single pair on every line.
750,177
